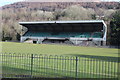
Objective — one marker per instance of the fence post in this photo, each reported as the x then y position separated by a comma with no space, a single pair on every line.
76,74
31,65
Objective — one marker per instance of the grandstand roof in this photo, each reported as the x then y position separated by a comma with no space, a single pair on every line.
75,21
75,25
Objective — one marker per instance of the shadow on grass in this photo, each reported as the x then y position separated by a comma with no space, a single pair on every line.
23,73
14,72
103,58
44,73
60,79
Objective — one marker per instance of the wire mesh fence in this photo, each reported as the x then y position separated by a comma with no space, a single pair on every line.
58,66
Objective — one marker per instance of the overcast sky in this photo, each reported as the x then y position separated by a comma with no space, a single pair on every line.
5,2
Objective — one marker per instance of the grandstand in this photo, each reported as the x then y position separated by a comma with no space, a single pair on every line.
82,32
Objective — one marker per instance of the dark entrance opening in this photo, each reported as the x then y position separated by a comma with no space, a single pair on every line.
34,42
54,40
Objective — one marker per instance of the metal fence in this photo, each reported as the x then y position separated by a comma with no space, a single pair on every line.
58,66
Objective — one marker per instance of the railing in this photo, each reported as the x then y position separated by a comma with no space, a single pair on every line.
57,66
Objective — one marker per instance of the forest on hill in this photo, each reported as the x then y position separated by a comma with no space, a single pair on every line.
49,11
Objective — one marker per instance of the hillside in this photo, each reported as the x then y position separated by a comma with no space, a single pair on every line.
50,6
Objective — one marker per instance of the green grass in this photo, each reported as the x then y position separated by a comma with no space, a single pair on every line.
10,47
101,65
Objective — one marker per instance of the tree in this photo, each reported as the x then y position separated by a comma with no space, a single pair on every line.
77,12
58,14
115,29
93,16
